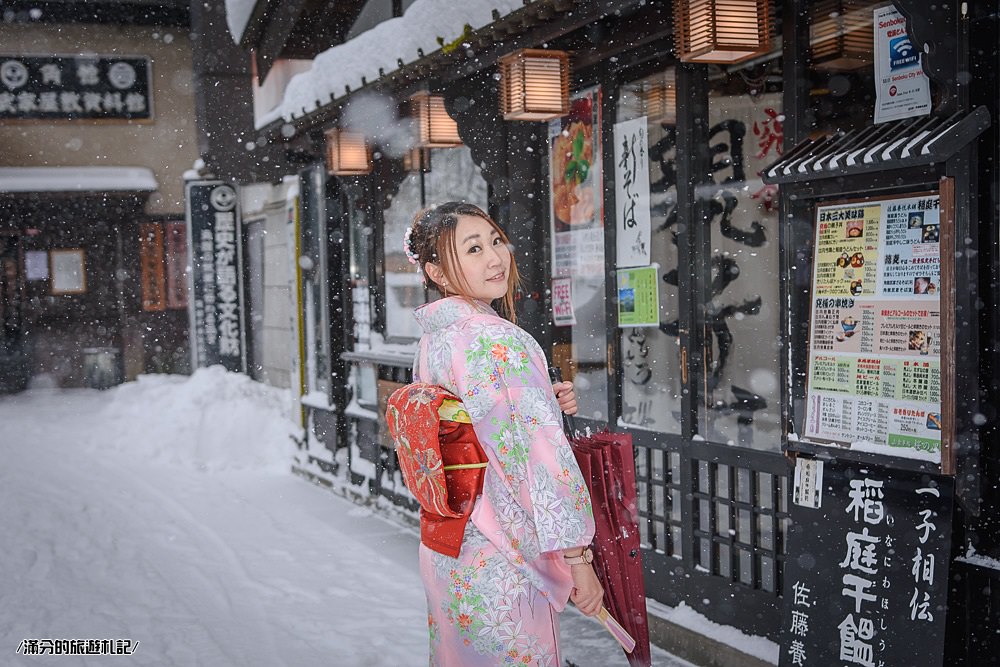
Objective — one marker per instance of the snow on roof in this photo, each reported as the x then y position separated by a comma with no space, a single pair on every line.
238,13
77,179
382,46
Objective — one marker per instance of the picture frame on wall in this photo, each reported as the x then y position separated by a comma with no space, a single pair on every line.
67,271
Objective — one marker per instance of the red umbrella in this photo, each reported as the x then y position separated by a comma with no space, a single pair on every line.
608,466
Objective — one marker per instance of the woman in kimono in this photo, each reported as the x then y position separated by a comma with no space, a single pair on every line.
525,549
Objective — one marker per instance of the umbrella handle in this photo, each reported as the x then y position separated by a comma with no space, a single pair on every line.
569,425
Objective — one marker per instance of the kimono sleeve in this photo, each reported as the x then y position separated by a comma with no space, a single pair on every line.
542,501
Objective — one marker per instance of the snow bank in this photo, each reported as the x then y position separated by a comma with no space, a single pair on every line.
761,648
213,420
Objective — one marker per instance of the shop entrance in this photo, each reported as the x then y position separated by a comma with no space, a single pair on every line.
13,350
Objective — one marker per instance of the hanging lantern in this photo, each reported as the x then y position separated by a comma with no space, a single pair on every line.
659,98
347,153
721,31
437,129
842,35
534,84
417,160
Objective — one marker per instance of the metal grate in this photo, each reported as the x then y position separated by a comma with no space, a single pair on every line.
657,474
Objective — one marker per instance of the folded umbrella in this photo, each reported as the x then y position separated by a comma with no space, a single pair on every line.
608,466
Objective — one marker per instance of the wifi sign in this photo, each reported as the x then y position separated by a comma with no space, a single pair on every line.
902,53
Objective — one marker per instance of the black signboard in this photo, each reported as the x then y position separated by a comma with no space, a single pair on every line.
75,88
216,258
865,578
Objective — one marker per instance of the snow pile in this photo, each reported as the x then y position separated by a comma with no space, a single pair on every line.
761,648
399,38
213,420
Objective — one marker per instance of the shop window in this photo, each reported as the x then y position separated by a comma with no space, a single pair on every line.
651,383
361,236
578,262
452,176
742,312
312,264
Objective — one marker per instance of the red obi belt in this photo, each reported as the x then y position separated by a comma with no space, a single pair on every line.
441,459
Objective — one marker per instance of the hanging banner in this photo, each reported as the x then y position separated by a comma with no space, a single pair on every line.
902,90
639,297
75,88
176,259
871,587
875,336
216,259
632,193
151,266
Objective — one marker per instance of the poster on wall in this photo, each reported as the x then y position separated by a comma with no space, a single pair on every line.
562,302
875,371
639,297
902,90
575,188
216,305
632,193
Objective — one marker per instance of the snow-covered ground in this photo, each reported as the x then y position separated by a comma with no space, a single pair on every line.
163,512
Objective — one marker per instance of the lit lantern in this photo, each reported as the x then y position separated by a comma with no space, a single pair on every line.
659,98
721,31
842,34
347,153
437,129
534,85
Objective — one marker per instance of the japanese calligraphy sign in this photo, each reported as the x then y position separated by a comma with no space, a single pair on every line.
875,371
866,576
75,88
632,192
176,258
216,259
151,266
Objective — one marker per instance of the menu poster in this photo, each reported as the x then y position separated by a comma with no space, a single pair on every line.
875,379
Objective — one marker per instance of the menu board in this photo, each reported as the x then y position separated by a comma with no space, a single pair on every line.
871,586
874,373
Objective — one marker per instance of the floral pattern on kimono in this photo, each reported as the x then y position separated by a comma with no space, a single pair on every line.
498,598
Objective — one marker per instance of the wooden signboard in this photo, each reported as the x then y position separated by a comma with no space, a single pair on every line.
151,266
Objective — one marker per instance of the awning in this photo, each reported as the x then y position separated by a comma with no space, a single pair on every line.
77,179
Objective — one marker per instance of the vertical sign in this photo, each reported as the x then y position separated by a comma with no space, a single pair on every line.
151,266
639,297
632,193
176,233
902,90
866,576
216,254
875,380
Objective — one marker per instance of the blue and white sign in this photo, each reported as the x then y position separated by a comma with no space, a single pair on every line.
902,90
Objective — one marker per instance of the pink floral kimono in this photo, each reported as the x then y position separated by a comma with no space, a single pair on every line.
497,602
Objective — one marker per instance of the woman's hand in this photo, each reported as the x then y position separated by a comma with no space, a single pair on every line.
566,397
587,595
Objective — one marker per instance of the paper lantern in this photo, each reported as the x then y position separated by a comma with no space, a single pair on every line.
347,153
721,31
534,85
436,128
841,35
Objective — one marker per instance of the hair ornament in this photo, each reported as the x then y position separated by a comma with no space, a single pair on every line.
408,247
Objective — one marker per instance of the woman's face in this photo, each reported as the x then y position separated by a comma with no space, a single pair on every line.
483,259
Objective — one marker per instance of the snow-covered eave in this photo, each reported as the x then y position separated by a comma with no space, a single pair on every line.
18,180
483,39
